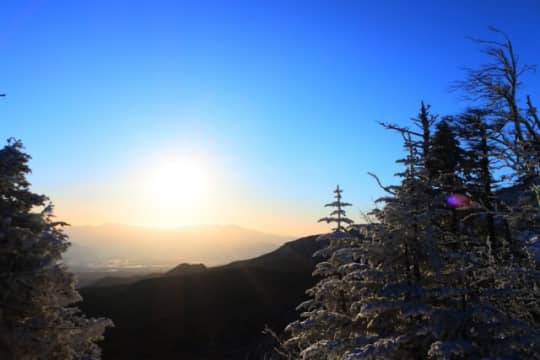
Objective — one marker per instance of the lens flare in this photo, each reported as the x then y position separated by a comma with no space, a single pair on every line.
459,201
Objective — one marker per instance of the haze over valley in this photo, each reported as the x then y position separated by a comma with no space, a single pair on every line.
118,246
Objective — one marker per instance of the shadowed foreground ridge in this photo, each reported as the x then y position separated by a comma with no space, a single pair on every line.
214,314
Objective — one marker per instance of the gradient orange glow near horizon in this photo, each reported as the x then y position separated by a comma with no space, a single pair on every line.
173,113
182,190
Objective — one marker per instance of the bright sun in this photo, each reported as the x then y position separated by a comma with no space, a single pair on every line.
178,181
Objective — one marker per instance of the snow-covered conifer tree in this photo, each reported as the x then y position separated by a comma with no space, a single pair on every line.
325,328
415,288
441,276
433,291
36,290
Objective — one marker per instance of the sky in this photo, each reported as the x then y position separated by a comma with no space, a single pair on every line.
172,113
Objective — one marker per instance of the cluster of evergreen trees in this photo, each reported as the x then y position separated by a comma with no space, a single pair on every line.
444,272
37,319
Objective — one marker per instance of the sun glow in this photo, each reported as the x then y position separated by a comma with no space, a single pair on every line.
178,180
177,190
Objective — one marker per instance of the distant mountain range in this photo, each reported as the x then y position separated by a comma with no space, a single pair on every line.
131,247
195,312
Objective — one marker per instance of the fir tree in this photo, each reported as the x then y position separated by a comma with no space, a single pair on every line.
36,320
338,215
445,157
480,157
417,191
324,331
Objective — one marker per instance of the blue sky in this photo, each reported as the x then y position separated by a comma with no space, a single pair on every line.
280,99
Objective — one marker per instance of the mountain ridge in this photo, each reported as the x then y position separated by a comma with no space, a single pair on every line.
218,313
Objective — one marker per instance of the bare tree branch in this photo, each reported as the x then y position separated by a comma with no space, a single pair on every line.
385,188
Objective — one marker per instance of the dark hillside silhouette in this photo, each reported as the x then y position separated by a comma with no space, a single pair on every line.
214,314
185,268
122,280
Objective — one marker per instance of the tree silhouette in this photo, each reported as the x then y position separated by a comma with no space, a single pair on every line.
445,157
337,216
36,321
495,88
